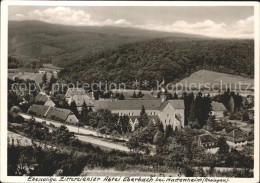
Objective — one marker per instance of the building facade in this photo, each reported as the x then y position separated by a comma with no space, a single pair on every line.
169,112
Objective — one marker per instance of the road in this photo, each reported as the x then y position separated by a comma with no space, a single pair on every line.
71,128
80,130
102,143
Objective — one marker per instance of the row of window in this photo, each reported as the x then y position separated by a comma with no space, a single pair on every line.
208,144
131,113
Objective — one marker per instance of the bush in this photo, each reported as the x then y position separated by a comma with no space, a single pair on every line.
229,128
245,116
232,117
18,119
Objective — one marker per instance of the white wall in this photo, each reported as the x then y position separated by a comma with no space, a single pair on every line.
239,144
217,114
167,117
72,119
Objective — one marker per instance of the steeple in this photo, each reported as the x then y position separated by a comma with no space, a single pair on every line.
163,91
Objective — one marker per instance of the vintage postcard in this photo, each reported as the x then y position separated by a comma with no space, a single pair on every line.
129,91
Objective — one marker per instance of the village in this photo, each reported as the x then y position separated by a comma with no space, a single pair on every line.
74,108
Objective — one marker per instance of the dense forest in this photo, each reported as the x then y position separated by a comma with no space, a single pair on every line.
169,58
63,44
23,62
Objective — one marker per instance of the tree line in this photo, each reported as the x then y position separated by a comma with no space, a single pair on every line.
158,58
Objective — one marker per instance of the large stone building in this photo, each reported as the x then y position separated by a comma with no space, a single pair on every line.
169,112
79,96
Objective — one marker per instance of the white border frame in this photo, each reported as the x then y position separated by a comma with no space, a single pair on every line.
4,70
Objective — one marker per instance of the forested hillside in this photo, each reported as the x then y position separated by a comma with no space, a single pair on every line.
63,44
169,58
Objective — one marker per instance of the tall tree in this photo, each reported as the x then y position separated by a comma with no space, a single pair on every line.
143,119
134,95
223,146
140,94
168,131
175,96
74,109
124,125
192,114
84,114
44,78
121,96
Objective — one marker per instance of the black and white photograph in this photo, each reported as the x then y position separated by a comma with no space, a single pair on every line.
129,91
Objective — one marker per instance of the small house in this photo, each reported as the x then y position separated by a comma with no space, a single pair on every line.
236,138
208,142
218,109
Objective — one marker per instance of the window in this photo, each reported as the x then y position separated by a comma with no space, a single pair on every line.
169,120
165,121
132,113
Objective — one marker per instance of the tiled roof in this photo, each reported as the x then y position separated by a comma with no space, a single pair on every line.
206,138
39,110
236,133
41,98
75,91
59,113
155,104
52,112
79,100
127,104
176,104
216,106
163,105
49,102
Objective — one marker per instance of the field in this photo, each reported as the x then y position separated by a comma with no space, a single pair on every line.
37,77
202,77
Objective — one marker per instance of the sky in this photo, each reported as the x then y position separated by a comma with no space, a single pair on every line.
218,21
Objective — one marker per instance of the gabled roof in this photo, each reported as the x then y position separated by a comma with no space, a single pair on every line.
206,138
79,100
216,106
75,91
128,104
60,113
236,133
49,102
176,104
41,98
39,110
163,105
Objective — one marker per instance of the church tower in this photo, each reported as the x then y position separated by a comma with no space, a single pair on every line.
163,91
